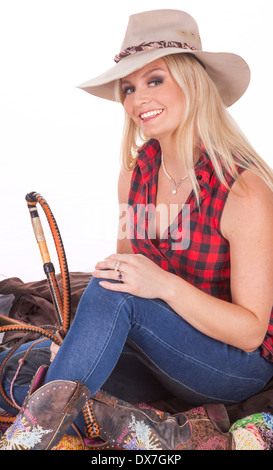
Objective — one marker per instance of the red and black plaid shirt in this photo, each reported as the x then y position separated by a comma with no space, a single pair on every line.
192,247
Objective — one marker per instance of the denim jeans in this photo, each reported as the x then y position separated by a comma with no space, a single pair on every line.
187,363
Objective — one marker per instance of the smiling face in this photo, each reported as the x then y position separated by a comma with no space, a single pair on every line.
154,100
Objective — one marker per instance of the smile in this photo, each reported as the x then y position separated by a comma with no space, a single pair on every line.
150,114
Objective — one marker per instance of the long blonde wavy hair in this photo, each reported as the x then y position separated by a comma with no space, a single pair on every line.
206,121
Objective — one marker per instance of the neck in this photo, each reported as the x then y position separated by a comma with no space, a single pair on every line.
169,150
171,154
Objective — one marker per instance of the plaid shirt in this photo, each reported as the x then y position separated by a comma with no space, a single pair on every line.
192,247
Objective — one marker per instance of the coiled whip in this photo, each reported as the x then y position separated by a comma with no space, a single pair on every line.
62,302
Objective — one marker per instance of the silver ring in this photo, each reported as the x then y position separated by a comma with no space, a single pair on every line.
117,266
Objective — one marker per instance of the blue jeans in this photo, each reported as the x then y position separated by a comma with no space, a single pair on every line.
187,363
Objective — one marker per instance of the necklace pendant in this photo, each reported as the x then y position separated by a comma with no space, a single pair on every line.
176,185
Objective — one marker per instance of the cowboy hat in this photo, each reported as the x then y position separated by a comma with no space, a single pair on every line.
154,34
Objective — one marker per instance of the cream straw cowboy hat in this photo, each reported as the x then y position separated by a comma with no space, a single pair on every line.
154,34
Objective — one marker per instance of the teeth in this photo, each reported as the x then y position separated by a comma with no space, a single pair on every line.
151,113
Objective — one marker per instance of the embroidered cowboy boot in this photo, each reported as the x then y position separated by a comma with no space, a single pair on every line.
46,414
125,426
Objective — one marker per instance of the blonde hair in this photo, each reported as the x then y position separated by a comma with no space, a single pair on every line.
206,121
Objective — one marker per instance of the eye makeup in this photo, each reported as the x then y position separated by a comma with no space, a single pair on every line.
152,81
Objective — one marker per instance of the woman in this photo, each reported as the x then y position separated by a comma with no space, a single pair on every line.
189,290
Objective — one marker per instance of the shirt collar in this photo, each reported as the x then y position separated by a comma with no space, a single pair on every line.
149,161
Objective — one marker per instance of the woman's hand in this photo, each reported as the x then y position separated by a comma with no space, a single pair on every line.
54,348
137,274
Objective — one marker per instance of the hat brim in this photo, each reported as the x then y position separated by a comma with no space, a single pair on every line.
230,72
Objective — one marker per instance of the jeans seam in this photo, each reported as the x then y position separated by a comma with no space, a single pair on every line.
196,361
175,380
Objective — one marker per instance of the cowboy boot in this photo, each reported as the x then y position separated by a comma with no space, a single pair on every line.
47,412
125,426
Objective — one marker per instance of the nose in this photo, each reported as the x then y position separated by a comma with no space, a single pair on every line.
141,96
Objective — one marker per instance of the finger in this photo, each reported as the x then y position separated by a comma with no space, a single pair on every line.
123,257
107,274
105,264
54,348
117,286
109,263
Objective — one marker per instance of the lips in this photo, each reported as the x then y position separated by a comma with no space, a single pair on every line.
150,114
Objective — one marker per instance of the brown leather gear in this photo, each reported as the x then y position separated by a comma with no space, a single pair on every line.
46,414
128,427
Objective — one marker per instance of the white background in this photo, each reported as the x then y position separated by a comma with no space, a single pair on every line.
64,143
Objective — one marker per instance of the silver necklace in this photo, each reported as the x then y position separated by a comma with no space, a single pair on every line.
174,191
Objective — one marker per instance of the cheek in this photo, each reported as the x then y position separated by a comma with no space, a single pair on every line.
128,108
180,107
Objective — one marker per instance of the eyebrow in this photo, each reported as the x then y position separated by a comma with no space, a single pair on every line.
149,72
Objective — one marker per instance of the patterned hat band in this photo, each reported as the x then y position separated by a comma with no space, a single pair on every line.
145,46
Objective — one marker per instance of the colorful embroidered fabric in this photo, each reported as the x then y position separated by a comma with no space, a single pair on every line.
69,443
254,432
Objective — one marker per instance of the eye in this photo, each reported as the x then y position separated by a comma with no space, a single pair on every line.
155,82
128,90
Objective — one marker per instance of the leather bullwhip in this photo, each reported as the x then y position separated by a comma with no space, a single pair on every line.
62,303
